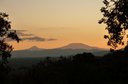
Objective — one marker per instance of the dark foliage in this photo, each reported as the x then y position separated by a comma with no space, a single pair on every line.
115,16
79,69
6,33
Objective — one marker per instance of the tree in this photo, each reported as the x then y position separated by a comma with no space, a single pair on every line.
6,33
115,16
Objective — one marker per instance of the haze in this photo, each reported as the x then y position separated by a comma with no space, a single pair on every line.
59,22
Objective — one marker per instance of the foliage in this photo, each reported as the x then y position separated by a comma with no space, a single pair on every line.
79,69
6,33
115,16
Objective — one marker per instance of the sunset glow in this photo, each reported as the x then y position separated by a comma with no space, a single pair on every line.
62,21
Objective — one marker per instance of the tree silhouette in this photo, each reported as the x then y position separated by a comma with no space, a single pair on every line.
115,16
6,33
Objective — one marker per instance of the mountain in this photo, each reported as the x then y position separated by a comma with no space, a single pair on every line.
78,46
33,48
68,50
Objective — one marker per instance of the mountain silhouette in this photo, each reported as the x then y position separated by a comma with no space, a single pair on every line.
33,48
68,50
70,46
78,46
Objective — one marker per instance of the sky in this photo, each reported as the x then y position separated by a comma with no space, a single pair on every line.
55,23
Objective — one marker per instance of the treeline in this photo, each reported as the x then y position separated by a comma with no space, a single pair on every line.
79,69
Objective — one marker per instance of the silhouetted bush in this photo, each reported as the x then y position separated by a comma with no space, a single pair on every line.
78,69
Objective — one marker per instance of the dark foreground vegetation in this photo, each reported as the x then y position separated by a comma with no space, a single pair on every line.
79,69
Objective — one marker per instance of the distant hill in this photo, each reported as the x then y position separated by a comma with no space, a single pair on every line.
33,48
78,46
68,50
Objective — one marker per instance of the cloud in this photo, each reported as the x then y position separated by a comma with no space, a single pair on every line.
22,33
34,38
24,36
37,38
51,39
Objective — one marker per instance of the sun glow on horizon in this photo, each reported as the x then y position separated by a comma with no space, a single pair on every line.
66,21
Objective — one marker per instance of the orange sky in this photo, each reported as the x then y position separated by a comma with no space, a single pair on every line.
67,21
